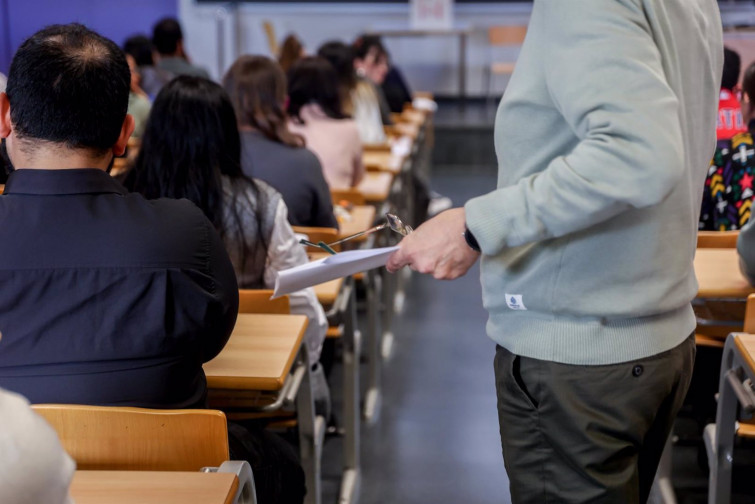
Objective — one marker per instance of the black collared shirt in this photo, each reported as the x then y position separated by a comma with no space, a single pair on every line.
105,297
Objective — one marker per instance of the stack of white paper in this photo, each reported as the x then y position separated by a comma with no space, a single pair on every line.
330,268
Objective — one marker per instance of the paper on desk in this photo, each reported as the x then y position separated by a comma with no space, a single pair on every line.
330,268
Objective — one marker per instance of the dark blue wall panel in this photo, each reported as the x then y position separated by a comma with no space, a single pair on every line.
115,19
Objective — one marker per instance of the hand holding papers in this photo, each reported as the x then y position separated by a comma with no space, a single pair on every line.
324,270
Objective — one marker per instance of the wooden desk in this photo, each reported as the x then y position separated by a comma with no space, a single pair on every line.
376,186
259,354
327,292
383,161
153,487
746,347
718,274
362,217
403,129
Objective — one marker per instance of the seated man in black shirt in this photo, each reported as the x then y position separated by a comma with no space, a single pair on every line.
106,298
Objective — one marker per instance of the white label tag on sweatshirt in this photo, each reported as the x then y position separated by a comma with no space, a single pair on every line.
514,301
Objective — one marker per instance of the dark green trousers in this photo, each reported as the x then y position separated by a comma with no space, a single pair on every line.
581,434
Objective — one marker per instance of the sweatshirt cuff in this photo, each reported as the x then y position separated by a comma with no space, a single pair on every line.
490,219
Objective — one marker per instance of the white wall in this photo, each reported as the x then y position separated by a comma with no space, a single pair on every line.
429,63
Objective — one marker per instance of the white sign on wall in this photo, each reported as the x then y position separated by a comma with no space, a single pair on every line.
432,14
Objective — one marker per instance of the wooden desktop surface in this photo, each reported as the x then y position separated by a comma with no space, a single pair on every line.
362,217
327,292
718,274
153,487
746,345
376,186
383,161
259,354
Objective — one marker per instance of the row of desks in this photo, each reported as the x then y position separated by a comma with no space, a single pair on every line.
263,347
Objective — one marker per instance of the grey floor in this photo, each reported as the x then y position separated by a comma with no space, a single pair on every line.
437,438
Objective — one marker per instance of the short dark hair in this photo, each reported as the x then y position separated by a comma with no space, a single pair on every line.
732,67
313,80
166,35
365,43
68,84
140,48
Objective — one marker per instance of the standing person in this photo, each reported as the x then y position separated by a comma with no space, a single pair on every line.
168,40
603,137
269,151
317,114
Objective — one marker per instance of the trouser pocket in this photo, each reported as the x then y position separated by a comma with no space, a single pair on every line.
519,382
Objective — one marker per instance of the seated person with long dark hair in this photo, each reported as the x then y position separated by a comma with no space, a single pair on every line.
317,114
269,151
191,149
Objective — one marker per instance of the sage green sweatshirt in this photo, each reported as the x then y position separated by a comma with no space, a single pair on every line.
603,138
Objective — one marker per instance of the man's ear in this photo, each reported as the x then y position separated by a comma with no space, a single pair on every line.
5,123
128,127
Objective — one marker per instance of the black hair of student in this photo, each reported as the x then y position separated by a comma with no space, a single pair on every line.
140,48
732,67
365,43
190,141
166,35
341,56
312,80
69,85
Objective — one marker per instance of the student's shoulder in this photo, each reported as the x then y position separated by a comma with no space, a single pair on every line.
166,219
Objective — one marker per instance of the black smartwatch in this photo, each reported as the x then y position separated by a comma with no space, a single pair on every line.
471,240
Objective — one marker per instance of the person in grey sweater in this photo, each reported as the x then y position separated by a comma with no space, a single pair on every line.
269,151
603,139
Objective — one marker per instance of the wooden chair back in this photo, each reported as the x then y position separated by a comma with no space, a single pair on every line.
272,40
510,35
318,234
258,301
749,325
139,439
351,195
717,239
